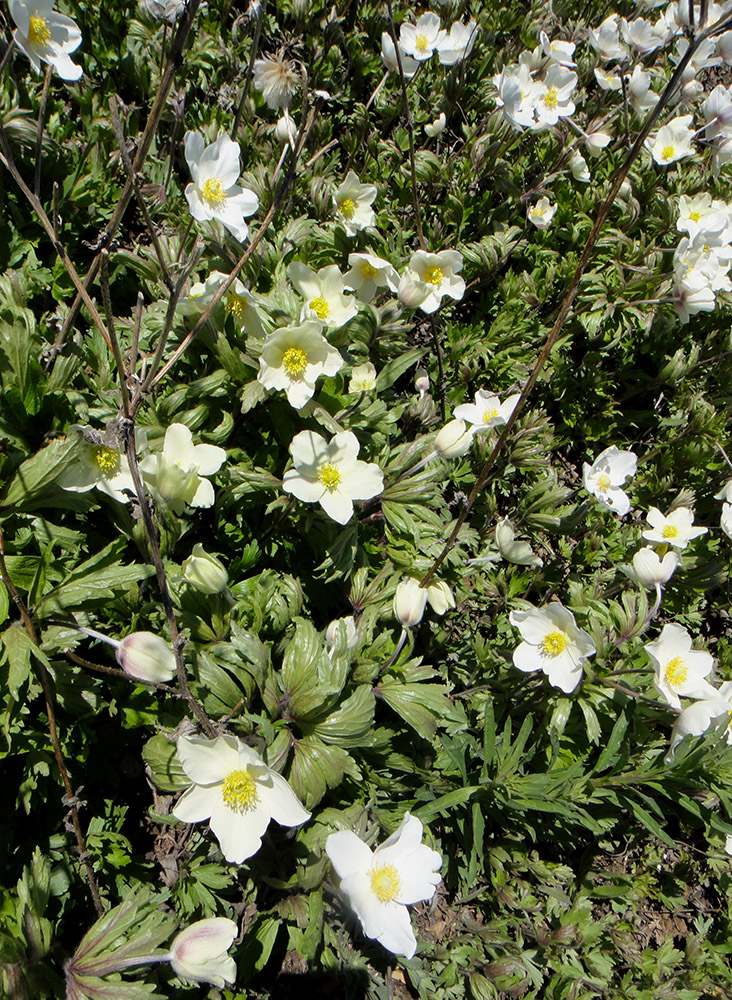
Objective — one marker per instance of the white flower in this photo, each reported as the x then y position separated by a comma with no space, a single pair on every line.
238,301
175,474
363,378
421,39
380,885
640,34
458,43
146,656
353,202
368,273
608,79
650,570
487,411
595,142
453,440
276,79
680,670
552,643
205,572
348,627
44,35
236,792
286,130
672,142
605,40
388,54
557,51
542,213
329,473
554,96
701,214
323,292
98,466
607,474
199,952
725,493
676,529
516,93
293,358
578,167
640,95
214,193
512,551
725,519
430,276
410,600
697,718
436,127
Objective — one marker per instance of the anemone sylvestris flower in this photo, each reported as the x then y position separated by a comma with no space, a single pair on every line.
552,643
199,952
421,39
329,473
324,294
431,276
677,529
363,378
379,885
541,213
486,411
410,600
293,358
213,192
98,465
368,273
175,475
700,716
236,792
680,670
607,474
353,202
44,35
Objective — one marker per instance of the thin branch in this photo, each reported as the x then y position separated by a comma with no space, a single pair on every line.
106,299
40,130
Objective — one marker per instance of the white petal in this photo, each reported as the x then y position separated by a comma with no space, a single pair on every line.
364,480
197,803
337,506
526,657
208,761
239,833
348,854
204,495
283,805
208,458
307,490
397,935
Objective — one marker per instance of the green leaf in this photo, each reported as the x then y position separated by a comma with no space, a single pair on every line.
4,603
17,648
420,705
94,580
167,772
393,369
317,767
31,486
351,722
445,803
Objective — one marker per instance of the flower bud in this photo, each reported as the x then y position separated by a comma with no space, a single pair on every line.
409,602
331,633
725,520
437,126
440,597
453,440
200,951
204,571
649,570
146,657
512,551
286,130
412,292
422,381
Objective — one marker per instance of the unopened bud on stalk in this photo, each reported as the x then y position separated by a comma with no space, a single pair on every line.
146,657
409,602
204,571
453,440
331,633
199,952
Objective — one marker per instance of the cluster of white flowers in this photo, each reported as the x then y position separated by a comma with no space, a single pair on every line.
702,258
537,91
418,43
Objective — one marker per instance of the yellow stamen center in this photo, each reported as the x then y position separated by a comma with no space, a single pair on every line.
294,361
347,207
38,30
670,531
553,644
385,882
694,216
107,459
603,481
213,192
368,271
320,307
667,152
239,791
489,415
422,43
676,673
551,98
433,275
237,304
329,476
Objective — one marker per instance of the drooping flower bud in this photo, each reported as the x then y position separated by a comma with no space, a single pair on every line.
440,597
409,602
453,440
331,633
649,570
204,571
146,657
200,951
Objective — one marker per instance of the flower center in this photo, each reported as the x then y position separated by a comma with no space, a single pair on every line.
213,192
236,304
239,791
676,673
489,415
422,43
368,271
551,98
670,531
667,152
320,307
433,275
329,476
553,644
295,361
694,216
385,882
347,207
537,211
603,481
106,458
38,30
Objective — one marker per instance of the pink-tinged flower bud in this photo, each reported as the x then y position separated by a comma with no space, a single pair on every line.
409,602
421,382
146,657
440,597
453,440
200,951
204,571
349,623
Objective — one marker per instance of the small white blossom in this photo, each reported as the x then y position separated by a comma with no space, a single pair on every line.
607,474
363,378
44,35
353,202
388,54
552,643
553,98
421,39
725,519
213,192
324,294
578,167
100,466
605,40
200,952
436,127
458,43
293,358
175,475
487,411
650,570
542,213
236,792
676,529
516,94
519,553
453,440
329,473
380,885
431,276
368,273
672,142
238,301
410,600
697,718
680,670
